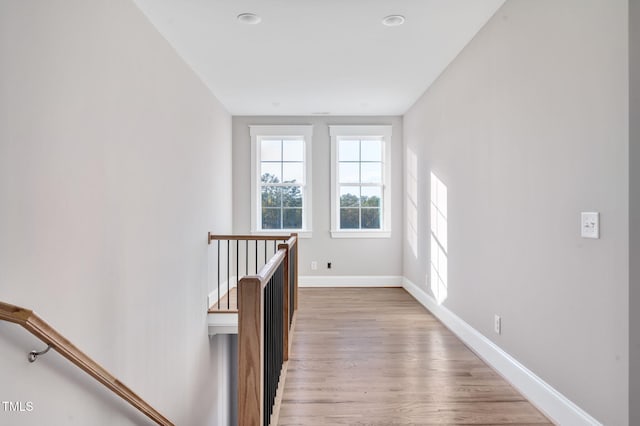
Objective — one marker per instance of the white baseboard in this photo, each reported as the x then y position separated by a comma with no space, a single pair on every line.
349,281
548,400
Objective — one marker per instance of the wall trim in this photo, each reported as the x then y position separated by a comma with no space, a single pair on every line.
547,399
222,323
350,281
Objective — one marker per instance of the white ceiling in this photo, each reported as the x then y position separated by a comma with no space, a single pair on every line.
310,56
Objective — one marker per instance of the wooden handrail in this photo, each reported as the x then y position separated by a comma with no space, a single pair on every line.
291,241
269,268
43,331
248,237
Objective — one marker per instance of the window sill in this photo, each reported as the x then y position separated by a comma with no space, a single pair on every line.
360,234
279,232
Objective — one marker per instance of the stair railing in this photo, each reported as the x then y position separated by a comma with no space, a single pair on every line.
267,302
56,341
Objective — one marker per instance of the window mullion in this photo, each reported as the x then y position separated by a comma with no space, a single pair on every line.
359,183
360,206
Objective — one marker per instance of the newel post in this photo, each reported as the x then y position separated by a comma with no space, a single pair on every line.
250,352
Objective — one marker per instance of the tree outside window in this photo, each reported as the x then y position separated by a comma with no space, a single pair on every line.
360,177
281,181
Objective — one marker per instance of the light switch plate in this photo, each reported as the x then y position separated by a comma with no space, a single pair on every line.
590,225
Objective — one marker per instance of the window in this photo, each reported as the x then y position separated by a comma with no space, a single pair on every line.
360,175
281,179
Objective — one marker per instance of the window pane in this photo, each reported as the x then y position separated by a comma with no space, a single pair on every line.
271,172
349,196
349,219
271,196
271,218
348,173
291,196
293,150
371,172
370,218
292,218
293,172
348,150
270,150
371,150
370,196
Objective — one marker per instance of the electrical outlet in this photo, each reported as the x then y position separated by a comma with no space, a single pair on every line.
329,265
590,225
497,324
314,265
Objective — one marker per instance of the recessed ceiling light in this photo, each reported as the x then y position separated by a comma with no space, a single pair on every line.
393,20
249,18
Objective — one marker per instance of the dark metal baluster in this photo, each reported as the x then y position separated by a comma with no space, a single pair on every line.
237,269
267,359
270,341
292,291
265,385
273,339
274,332
218,302
228,267
279,316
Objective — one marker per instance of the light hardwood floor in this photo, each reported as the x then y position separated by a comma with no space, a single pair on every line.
227,303
375,356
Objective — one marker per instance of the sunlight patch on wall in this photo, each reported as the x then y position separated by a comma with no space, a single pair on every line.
439,239
412,201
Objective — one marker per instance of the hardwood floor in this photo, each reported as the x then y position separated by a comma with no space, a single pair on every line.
227,303
375,356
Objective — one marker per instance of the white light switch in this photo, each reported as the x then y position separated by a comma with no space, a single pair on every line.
590,225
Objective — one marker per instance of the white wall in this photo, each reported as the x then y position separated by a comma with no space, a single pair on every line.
634,213
114,164
380,256
527,128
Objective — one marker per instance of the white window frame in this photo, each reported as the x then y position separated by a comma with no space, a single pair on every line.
257,132
380,131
